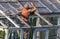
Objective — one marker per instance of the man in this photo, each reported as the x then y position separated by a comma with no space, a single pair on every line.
26,11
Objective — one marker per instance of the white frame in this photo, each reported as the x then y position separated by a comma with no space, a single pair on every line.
58,1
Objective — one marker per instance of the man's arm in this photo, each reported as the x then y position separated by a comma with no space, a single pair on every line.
17,13
33,7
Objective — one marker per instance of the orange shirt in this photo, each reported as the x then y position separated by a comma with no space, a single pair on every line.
26,14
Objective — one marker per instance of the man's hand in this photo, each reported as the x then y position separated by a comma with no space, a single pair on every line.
32,4
33,7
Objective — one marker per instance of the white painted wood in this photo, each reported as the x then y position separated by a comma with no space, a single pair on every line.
47,34
38,25
34,34
43,19
58,31
8,18
21,34
6,33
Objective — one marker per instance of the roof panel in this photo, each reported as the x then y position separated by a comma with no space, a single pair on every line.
56,3
43,10
6,6
27,0
49,6
37,4
23,0
23,3
7,0
1,8
15,5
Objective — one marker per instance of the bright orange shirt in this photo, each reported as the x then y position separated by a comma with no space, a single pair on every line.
26,14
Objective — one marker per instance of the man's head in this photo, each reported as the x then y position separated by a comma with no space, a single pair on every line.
26,6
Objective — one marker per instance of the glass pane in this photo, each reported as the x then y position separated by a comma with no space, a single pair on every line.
50,6
23,3
37,4
43,10
33,0
54,1
27,0
6,6
7,0
1,8
23,0
15,6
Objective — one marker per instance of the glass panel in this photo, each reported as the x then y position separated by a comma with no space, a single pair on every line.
23,0
54,1
23,3
50,6
7,0
44,10
33,0
6,6
37,4
1,8
27,0
15,6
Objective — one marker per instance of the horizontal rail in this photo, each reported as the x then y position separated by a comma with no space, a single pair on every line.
34,27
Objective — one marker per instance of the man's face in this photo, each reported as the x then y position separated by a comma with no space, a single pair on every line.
26,6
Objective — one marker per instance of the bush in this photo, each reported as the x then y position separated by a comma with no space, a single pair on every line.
2,34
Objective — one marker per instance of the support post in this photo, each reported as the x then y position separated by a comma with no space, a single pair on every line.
21,34
12,34
47,34
38,25
6,33
34,34
58,31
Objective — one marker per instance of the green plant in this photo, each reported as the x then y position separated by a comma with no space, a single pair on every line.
2,34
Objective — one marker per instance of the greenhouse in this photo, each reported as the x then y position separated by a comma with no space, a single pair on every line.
44,23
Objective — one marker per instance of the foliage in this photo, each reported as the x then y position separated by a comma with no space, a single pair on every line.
2,34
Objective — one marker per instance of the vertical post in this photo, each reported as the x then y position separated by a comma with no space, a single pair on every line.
12,34
58,31
38,25
21,34
47,34
6,33
34,34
